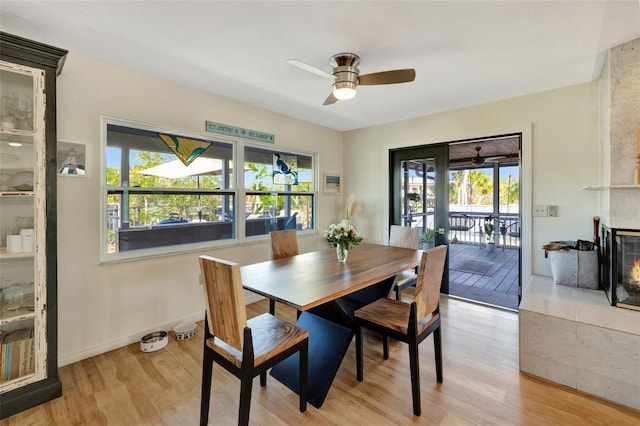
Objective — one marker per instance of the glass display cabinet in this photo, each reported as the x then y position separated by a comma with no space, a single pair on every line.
28,298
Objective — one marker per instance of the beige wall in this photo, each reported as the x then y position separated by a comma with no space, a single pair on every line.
564,156
102,307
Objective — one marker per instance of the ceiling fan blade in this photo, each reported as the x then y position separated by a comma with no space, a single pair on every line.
310,68
388,77
330,99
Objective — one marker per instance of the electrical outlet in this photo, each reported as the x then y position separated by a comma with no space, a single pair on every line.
540,210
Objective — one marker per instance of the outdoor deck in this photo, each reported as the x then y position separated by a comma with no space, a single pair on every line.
478,274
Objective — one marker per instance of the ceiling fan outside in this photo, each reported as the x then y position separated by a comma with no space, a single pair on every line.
346,77
479,161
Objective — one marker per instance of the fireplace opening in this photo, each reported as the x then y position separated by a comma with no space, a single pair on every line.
621,267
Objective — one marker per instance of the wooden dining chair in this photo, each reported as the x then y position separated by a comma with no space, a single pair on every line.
283,244
245,348
406,237
408,322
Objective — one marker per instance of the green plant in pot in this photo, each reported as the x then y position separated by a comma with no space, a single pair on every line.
489,228
428,238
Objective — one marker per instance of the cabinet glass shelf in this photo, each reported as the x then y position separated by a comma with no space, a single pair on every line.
16,316
4,254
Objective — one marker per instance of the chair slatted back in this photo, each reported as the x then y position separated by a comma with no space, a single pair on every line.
427,294
224,299
284,243
404,236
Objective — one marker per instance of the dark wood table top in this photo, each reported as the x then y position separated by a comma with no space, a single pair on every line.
311,279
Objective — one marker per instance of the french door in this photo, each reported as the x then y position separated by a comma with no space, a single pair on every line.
419,194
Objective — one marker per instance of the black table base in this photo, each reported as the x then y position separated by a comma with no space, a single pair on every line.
330,328
328,343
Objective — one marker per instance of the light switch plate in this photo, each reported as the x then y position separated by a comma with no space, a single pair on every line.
540,210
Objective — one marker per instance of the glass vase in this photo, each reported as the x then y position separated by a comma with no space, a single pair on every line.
342,253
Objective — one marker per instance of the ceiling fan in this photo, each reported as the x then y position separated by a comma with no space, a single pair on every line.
346,77
478,161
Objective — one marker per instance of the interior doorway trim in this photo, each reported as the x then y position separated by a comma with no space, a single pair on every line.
526,176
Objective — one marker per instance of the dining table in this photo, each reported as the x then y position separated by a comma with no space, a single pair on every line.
326,293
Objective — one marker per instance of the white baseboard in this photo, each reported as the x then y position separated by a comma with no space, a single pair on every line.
70,358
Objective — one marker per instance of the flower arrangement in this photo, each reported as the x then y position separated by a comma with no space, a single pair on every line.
342,234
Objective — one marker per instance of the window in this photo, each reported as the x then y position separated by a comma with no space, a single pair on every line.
156,204
278,190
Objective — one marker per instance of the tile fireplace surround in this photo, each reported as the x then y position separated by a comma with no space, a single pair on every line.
574,337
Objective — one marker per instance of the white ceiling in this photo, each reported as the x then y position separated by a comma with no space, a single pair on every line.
464,52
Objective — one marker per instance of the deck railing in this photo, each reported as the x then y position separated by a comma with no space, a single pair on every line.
471,228
474,228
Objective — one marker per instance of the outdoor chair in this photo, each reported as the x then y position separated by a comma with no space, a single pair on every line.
459,227
410,323
513,230
510,228
406,237
245,348
461,223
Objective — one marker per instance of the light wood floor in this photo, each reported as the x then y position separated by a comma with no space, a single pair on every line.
482,385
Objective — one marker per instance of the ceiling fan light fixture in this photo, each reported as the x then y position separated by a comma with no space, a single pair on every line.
344,90
477,162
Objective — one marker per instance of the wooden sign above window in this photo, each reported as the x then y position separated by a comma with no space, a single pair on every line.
225,129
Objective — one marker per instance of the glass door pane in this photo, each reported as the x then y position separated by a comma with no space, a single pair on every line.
418,200
419,194
21,226
17,101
